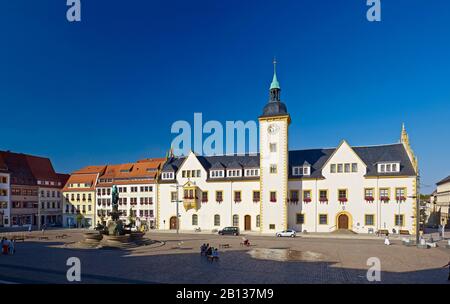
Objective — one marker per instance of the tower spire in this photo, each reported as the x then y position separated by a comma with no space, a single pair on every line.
274,107
275,84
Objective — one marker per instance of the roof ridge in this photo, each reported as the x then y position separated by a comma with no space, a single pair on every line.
379,145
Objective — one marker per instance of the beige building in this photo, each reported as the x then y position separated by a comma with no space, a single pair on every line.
79,197
442,201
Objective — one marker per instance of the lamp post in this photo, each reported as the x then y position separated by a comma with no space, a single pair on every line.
177,186
417,208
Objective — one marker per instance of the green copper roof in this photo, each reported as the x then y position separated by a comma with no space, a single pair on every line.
275,84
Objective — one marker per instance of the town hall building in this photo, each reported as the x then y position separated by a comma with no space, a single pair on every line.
362,189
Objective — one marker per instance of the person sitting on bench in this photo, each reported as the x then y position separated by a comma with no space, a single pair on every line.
209,251
202,249
11,249
214,255
4,246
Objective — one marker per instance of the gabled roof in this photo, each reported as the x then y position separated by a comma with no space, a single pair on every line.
217,166
444,181
90,170
41,168
216,162
19,167
234,165
315,157
89,179
372,155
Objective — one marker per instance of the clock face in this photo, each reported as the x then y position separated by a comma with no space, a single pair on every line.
272,129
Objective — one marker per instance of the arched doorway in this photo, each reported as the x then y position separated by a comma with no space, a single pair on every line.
342,221
247,222
173,223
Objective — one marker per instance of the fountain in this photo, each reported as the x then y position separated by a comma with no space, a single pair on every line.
114,234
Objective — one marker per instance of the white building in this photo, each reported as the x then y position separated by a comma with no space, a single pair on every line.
136,183
5,195
362,189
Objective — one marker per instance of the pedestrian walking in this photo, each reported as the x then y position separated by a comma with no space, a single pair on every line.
386,240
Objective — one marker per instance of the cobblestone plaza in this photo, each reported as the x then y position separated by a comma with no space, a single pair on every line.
176,259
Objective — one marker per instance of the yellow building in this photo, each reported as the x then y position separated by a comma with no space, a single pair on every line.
79,197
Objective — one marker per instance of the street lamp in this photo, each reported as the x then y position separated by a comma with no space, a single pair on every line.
177,186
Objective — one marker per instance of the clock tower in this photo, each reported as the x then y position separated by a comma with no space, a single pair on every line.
274,163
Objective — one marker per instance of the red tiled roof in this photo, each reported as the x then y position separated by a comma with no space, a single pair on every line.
41,168
21,173
63,178
147,168
90,170
3,166
81,179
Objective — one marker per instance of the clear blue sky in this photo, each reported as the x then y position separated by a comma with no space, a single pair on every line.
107,90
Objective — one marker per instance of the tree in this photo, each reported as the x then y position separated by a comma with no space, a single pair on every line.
79,219
131,217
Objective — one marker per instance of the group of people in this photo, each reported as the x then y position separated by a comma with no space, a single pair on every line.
210,252
7,246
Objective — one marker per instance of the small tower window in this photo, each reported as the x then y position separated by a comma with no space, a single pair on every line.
273,148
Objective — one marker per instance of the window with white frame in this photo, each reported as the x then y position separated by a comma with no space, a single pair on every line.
251,172
302,170
234,173
393,167
167,175
216,173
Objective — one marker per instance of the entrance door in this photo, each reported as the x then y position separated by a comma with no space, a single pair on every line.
343,221
173,222
248,222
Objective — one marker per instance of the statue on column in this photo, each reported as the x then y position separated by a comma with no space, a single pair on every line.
115,226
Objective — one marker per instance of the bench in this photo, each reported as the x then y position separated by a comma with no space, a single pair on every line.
62,236
43,237
18,238
224,245
404,232
382,232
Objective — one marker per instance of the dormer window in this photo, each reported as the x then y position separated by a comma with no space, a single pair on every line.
393,167
234,173
301,171
251,172
216,173
167,175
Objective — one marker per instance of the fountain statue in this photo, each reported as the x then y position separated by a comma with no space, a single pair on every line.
115,226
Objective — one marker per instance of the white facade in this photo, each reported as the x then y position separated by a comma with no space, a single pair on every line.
363,215
362,189
211,214
5,200
139,198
